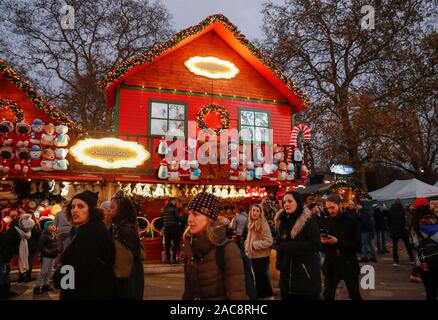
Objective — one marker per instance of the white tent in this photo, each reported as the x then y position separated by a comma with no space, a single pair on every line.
436,184
404,189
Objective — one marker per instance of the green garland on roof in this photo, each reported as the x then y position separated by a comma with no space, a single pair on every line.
41,103
150,55
18,112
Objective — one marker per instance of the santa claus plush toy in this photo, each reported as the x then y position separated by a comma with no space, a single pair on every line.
22,134
22,161
184,170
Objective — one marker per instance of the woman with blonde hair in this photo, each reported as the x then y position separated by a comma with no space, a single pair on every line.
204,278
258,248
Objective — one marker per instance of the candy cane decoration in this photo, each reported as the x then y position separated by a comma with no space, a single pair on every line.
301,128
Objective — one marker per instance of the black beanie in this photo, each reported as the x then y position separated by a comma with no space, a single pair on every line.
89,197
206,204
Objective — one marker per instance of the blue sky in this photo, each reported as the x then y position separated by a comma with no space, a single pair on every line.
245,14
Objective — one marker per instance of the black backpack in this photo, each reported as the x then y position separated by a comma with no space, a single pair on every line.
428,253
250,287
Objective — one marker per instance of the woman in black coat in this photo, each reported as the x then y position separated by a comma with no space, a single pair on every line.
297,243
124,228
91,253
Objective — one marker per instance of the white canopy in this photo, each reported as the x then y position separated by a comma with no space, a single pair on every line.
436,184
404,189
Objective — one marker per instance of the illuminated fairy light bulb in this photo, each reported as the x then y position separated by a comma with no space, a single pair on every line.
211,67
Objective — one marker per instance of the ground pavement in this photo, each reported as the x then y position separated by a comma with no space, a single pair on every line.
391,283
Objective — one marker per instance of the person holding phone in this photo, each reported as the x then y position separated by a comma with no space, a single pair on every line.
340,245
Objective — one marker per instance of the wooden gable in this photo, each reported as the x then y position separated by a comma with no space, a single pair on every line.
170,72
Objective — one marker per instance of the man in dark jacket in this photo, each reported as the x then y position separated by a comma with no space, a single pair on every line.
171,220
367,232
380,223
397,229
340,245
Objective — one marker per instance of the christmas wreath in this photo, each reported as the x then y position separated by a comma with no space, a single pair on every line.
18,112
221,111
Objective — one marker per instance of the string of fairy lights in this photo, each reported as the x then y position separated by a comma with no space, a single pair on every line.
150,55
39,102
16,110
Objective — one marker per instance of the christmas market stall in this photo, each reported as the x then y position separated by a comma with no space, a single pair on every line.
213,114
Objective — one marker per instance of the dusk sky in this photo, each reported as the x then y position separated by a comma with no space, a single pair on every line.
245,14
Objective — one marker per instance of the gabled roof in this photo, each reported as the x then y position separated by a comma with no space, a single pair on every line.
232,36
38,101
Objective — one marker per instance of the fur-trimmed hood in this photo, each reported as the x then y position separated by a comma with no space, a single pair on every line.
299,224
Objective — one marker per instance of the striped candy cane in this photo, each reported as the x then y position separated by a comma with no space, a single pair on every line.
307,133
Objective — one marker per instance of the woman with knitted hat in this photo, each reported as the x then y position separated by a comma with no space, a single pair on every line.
91,252
124,228
14,242
204,279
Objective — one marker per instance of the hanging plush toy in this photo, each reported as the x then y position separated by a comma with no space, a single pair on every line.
47,138
48,159
35,158
298,160
250,171
22,134
7,133
22,161
62,138
163,149
174,171
60,163
184,170
37,131
234,172
195,172
258,155
290,172
282,171
6,159
163,171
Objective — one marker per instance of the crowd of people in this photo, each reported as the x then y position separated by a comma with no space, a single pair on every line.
317,245
102,245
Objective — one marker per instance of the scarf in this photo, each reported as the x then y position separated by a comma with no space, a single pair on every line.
23,250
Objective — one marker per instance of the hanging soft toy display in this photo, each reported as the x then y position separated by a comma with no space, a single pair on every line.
22,134
35,158
37,131
290,172
22,161
250,171
163,170
258,155
60,163
184,170
163,149
278,154
195,172
62,138
298,160
174,171
234,172
282,171
47,138
6,159
242,171
48,159
7,132
258,173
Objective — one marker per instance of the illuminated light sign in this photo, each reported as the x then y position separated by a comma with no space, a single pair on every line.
109,153
341,169
211,67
